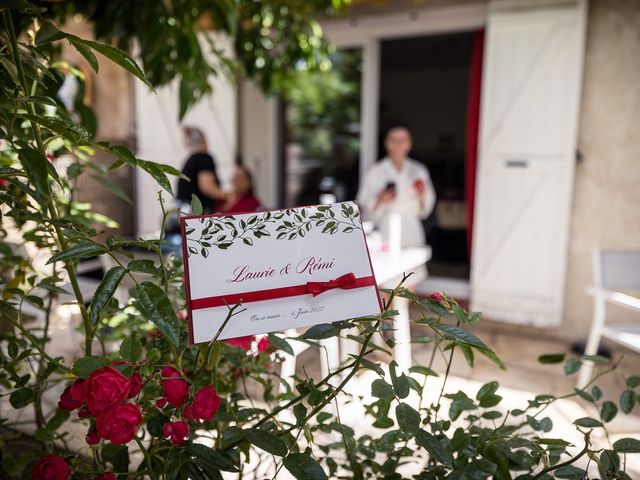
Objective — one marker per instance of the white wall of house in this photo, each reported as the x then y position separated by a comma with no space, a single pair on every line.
159,137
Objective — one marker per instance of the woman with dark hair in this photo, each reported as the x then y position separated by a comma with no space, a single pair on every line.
200,170
242,198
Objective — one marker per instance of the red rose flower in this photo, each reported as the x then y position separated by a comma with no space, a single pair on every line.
205,404
67,402
174,387
419,185
51,467
177,432
106,476
263,344
120,423
106,387
241,342
136,385
161,402
74,396
92,437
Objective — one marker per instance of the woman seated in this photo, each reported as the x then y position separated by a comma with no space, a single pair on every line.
241,199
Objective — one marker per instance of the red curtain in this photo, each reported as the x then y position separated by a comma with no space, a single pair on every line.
473,118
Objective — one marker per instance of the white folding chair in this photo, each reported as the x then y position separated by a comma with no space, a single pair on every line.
615,274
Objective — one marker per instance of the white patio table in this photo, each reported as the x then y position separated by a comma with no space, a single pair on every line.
389,268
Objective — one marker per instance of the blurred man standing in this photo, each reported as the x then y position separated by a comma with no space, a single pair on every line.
398,185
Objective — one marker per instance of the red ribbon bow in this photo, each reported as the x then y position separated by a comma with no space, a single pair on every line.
348,280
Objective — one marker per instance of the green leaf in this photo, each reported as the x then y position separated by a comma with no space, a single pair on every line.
595,358
608,411
303,467
552,358
436,449
320,332
627,401
36,166
381,389
117,191
131,349
399,382
423,371
572,366
587,422
82,249
115,55
462,335
48,33
156,307
159,176
21,398
266,441
627,445
486,395
85,365
196,205
408,419
280,344
633,381
571,472
143,266
86,53
105,291
371,366
204,453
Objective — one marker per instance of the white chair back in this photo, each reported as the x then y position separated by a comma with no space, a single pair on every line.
616,269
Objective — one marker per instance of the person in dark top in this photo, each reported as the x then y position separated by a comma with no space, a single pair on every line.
200,169
242,198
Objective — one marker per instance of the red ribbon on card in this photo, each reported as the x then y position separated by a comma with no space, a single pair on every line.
346,281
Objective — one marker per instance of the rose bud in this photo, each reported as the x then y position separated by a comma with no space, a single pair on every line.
106,387
263,344
418,185
106,476
136,385
51,467
205,403
438,297
92,437
120,423
177,432
161,402
174,387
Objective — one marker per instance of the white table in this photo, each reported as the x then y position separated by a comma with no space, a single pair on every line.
388,269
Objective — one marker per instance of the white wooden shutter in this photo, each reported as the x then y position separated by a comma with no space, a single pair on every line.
528,130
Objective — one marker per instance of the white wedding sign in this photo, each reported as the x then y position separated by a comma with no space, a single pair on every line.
288,268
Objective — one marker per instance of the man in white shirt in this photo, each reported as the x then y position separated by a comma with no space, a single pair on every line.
398,184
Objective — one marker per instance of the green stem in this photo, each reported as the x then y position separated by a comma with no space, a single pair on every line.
147,459
566,463
60,241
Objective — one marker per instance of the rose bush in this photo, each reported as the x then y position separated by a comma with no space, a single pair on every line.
150,405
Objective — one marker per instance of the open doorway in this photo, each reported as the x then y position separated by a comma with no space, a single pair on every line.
424,84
